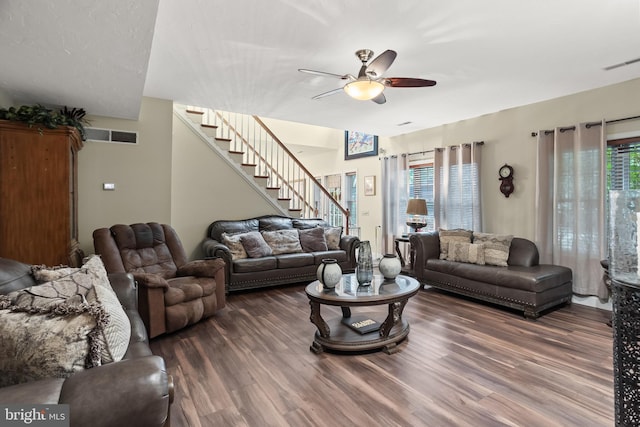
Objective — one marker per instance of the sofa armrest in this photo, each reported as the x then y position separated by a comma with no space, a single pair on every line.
125,288
349,243
126,393
150,280
214,249
426,247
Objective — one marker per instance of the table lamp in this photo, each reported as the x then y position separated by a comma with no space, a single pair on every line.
417,214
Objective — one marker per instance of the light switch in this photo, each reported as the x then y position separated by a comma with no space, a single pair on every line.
108,186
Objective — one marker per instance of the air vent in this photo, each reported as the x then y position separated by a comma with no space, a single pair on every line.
110,135
622,64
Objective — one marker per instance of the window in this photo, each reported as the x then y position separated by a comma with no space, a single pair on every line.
623,164
351,198
421,187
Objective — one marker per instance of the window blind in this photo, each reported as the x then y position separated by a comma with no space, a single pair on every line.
623,165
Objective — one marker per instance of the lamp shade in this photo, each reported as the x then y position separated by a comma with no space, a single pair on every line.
364,89
417,207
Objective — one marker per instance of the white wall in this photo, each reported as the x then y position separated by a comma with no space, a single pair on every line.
141,172
204,189
507,137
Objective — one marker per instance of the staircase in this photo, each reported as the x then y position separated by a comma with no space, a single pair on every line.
250,147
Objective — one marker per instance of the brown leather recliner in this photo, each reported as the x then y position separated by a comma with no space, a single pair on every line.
173,292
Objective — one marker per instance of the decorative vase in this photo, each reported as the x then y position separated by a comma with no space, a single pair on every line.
364,268
329,273
390,266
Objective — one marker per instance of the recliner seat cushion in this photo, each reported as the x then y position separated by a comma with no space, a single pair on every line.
183,289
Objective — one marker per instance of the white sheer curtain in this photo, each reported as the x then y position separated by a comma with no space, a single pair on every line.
395,190
457,187
570,203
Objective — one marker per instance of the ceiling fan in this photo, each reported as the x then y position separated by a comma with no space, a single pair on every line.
369,85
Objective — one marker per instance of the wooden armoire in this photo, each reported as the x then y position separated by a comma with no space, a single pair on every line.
38,194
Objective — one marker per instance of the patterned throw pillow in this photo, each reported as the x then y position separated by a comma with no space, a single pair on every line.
283,241
60,327
466,252
313,240
496,247
232,241
332,236
92,265
115,339
457,235
254,245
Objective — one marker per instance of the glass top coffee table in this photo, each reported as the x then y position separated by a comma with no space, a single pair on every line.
363,331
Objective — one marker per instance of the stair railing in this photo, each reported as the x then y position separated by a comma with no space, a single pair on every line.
274,162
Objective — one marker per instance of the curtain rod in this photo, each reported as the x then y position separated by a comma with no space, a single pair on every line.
588,125
440,148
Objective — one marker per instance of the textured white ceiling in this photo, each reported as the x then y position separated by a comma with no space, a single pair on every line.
243,56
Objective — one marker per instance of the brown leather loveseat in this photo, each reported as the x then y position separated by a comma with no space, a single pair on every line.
318,240
135,391
522,284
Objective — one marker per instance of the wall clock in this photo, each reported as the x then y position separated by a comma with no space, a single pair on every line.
506,179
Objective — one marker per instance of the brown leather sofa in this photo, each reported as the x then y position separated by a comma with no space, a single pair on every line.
251,273
173,291
135,391
523,285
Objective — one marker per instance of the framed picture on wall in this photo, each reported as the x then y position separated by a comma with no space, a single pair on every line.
359,144
370,185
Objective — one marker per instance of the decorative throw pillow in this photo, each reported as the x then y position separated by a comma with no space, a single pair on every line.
115,339
283,241
254,244
232,241
58,328
466,252
92,265
496,247
332,236
313,240
456,235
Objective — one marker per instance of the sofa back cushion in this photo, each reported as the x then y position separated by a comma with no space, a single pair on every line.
306,223
273,223
231,227
523,252
14,275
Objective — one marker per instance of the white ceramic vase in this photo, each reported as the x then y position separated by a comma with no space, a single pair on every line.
390,266
329,273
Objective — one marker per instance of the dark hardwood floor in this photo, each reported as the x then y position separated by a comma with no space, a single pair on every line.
464,364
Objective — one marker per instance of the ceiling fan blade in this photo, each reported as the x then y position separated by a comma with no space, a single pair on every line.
407,82
379,65
331,92
380,99
322,73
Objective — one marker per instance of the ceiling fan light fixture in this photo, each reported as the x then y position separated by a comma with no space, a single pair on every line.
364,90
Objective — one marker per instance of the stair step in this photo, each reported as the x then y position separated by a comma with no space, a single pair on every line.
209,130
195,116
284,203
249,168
273,192
237,157
225,144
